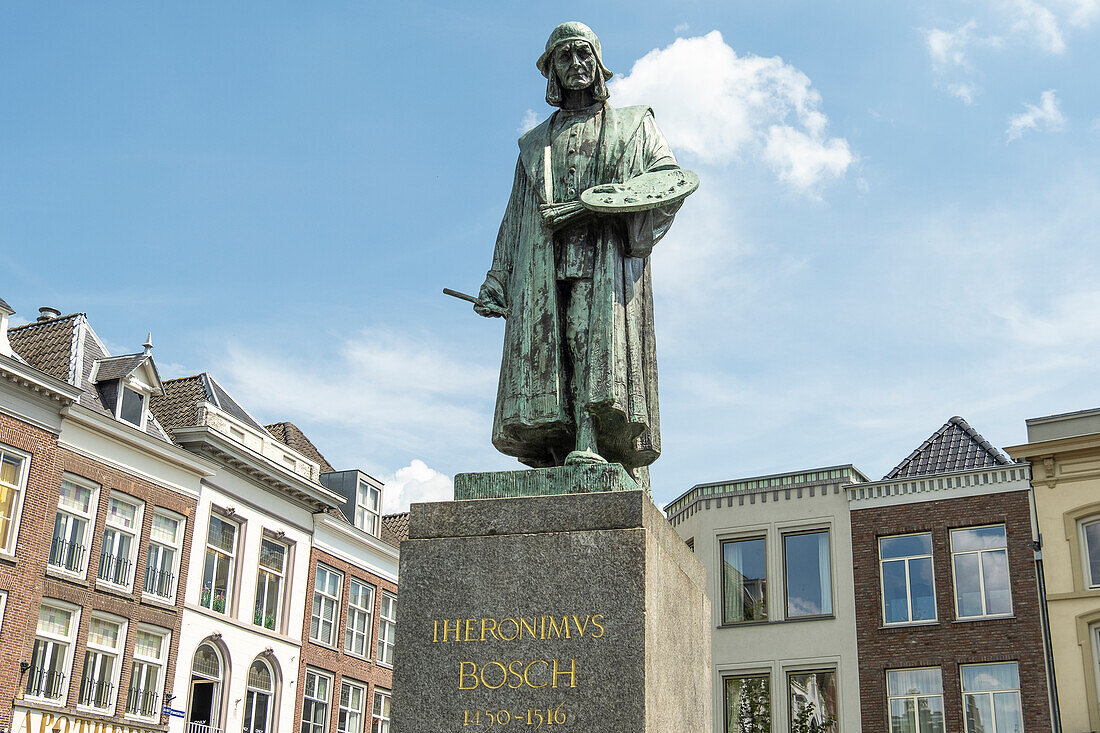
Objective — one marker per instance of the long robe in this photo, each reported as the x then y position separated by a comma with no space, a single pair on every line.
534,419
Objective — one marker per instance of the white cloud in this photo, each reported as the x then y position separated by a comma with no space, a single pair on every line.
413,483
948,49
964,91
716,107
530,119
681,29
1082,13
1037,23
1047,116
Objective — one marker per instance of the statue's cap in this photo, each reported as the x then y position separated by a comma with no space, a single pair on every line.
572,30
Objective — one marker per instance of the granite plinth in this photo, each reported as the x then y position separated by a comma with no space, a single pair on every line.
576,479
586,609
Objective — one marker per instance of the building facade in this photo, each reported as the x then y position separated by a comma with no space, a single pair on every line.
1064,453
97,505
777,551
949,622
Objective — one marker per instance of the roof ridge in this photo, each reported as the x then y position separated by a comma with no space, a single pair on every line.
991,451
35,324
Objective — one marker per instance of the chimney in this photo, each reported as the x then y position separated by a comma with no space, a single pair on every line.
46,313
5,311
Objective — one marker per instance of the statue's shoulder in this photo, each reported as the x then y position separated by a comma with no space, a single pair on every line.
634,113
536,134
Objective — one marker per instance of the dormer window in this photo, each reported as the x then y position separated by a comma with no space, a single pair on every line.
131,407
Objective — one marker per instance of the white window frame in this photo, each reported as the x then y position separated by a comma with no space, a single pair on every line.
355,610
123,385
981,574
102,652
311,695
322,599
990,694
367,519
1089,582
916,698
280,593
380,718
177,551
53,639
828,532
346,711
387,629
20,489
88,518
232,559
133,532
157,663
253,691
908,583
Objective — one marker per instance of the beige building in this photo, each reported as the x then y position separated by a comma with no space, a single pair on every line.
778,555
1064,452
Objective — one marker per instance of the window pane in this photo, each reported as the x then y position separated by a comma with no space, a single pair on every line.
131,406
982,677
259,676
979,713
272,555
75,497
121,513
1092,545
748,704
920,589
902,716
893,592
914,682
10,468
809,584
147,645
744,581
998,596
164,529
812,699
102,633
907,546
968,592
930,715
977,538
1006,711
221,534
54,621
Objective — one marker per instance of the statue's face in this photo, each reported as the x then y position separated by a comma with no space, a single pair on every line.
575,65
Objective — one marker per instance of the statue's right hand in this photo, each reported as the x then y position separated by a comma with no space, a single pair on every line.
490,297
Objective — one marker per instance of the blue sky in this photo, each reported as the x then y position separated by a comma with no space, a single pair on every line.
898,220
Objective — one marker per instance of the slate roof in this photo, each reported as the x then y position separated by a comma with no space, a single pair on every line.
177,408
66,348
954,447
290,435
395,527
5,306
117,367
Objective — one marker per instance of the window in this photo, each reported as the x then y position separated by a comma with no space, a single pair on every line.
162,561
812,701
915,697
132,407
991,698
748,704
360,611
326,605
380,721
204,709
106,639
367,514
1090,537
116,558
807,574
979,556
744,581
315,702
51,657
269,584
352,697
257,704
387,628
75,511
147,674
217,574
13,479
908,594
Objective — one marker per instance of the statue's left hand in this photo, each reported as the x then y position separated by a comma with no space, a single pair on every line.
555,216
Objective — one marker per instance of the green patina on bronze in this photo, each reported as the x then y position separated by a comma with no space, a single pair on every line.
578,377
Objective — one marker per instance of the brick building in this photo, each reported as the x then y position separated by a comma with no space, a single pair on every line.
948,618
97,505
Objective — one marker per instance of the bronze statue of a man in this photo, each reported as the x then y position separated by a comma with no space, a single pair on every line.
578,378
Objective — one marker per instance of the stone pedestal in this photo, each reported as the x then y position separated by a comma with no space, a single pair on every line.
575,612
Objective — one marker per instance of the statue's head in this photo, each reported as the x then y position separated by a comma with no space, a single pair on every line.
573,60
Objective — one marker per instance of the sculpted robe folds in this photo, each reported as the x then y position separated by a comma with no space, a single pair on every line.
534,413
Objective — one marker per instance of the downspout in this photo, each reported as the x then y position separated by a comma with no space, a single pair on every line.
1048,647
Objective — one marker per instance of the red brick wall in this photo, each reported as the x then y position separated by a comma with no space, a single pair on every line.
28,581
336,661
949,643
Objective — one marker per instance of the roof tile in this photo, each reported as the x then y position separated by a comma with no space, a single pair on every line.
954,447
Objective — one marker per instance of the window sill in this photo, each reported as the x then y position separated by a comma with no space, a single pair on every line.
909,625
43,702
323,645
90,714
360,657
383,665
778,622
158,601
117,590
225,618
88,710
10,557
55,572
972,619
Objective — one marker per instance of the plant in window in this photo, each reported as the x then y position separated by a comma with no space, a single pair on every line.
204,598
219,602
806,722
754,710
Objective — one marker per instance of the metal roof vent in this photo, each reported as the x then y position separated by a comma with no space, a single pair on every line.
46,313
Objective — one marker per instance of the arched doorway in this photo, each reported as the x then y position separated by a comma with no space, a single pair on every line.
258,704
207,675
